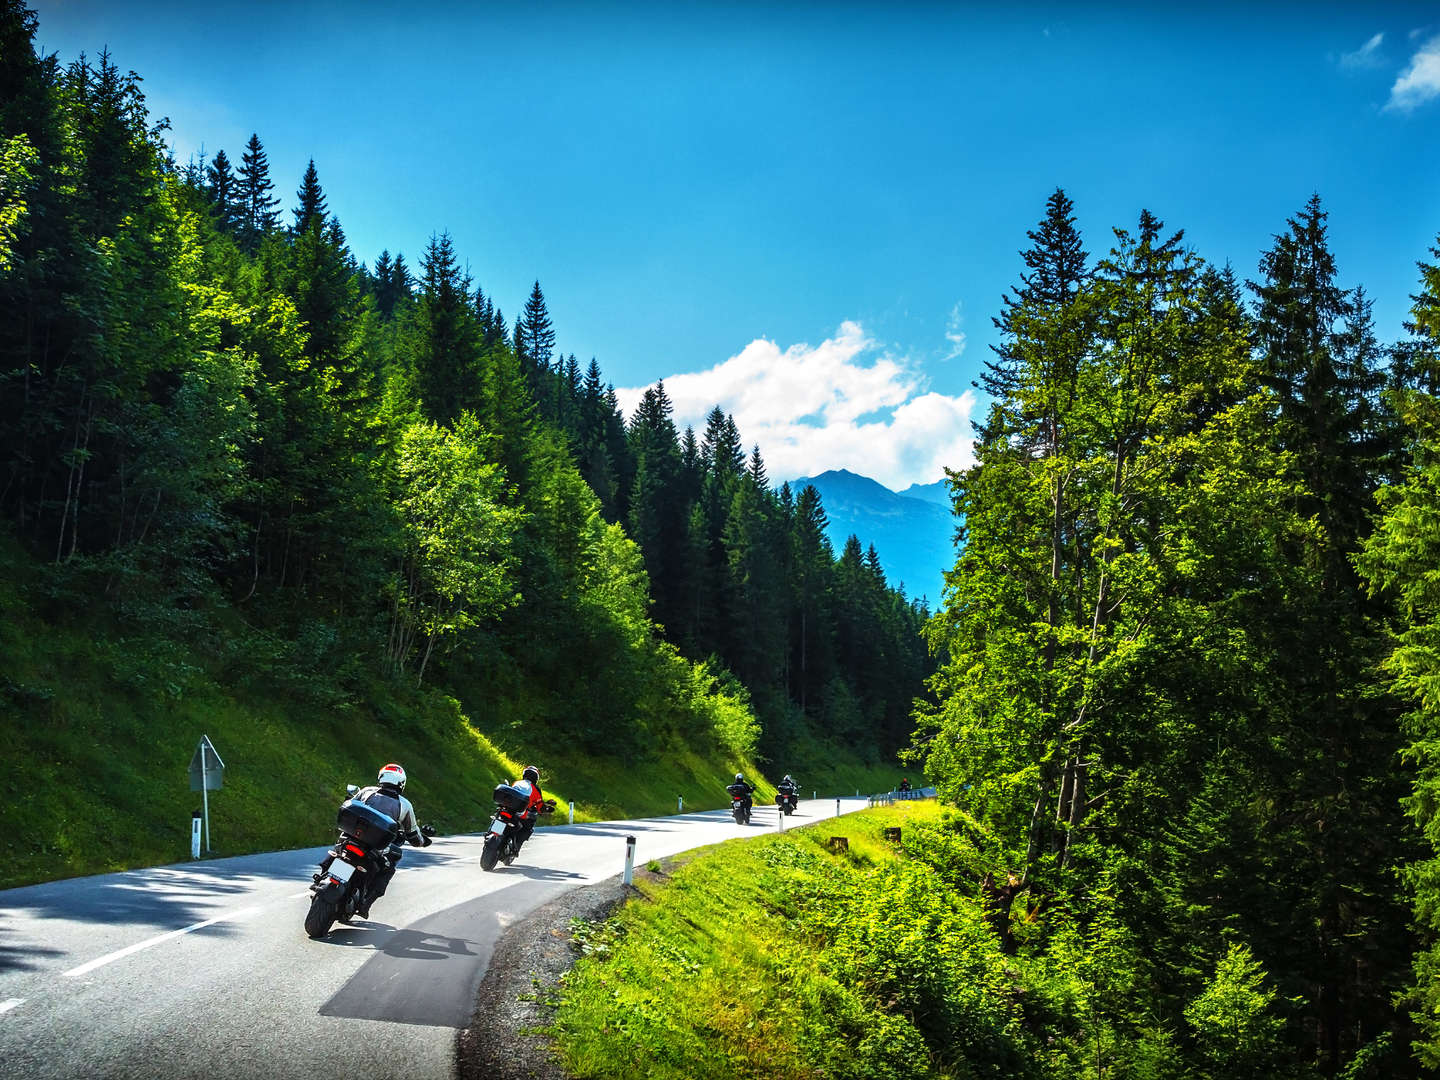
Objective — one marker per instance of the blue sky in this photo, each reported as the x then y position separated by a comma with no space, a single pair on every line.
806,213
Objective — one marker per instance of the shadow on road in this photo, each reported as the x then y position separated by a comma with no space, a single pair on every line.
168,897
410,944
22,958
538,873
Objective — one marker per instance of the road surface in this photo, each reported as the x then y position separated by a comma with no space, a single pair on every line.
204,970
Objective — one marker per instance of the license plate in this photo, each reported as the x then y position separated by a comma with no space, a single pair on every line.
341,870
498,827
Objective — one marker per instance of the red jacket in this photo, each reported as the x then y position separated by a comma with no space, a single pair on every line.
533,806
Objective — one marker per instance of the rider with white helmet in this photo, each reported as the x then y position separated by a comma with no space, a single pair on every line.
387,796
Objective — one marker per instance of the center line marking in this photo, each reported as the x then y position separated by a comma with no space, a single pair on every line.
120,954
6,1006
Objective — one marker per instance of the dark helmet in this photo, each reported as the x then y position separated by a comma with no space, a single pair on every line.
531,773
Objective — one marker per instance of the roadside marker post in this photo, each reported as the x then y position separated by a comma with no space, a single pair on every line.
679,804
629,860
207,773
837,805
195,834
572,811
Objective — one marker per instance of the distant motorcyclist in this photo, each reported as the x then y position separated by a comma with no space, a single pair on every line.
787,794
387,796
904,783
742,789
529,784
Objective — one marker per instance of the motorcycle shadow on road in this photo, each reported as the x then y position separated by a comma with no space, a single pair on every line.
402,944
537,873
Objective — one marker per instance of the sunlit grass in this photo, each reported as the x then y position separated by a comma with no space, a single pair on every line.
715,972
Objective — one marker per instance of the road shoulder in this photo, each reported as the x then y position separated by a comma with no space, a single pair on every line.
516,995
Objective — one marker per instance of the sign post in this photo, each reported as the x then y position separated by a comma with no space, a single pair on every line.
207,773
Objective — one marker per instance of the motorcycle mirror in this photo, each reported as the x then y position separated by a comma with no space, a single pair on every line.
351,789
427,830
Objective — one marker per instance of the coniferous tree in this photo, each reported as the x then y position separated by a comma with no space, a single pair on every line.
310,200
448,363
223,189
258,204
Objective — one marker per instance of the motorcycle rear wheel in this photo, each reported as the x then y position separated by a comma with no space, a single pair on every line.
319,918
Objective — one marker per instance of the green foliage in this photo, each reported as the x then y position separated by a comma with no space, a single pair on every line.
1158,682
17,159
1236,1032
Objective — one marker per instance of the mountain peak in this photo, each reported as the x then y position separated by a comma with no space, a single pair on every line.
914,537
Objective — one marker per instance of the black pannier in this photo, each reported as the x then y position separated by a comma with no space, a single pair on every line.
510,798
366,824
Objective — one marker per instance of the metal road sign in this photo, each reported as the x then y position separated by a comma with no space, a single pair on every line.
207,771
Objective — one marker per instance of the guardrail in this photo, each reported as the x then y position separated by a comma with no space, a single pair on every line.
885,798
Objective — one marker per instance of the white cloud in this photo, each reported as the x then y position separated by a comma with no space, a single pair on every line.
953,334
1367,56
1420,82
843,404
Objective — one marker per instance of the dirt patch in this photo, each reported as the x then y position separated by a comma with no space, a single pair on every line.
519,989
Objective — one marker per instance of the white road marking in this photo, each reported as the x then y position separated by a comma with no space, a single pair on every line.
6,1006
120,954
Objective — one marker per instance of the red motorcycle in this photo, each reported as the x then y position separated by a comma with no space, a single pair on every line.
502,839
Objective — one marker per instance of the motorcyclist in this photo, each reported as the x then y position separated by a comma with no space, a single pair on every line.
786,789
387,796
529,783
741,789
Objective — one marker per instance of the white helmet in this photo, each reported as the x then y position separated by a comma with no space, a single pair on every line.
392,774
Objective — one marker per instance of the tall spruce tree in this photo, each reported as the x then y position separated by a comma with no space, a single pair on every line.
310,201
258,205
223,189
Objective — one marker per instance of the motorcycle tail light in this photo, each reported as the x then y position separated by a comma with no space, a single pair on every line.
355,850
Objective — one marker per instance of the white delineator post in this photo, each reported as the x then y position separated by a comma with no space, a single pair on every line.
572,811
195,834
629,860
837,805
679,804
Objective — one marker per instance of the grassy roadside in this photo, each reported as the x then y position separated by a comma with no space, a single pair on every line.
774,957
100,737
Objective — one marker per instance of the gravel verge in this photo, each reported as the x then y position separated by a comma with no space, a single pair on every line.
517,993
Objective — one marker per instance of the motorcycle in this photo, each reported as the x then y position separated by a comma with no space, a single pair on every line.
788,800
341,886
502,839
739,805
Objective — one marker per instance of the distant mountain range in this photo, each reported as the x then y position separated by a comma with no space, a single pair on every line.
912,530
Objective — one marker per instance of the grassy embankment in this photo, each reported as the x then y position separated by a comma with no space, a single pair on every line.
776,957
99,730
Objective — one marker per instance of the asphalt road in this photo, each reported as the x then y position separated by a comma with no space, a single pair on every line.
203,969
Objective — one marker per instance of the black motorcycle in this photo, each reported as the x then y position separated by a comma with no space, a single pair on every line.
739,804
502,839
788,800
341,886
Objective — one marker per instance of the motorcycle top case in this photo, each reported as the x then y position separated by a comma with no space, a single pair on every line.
510,799
366,824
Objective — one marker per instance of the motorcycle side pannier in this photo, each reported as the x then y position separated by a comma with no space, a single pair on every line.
366,824
510,799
